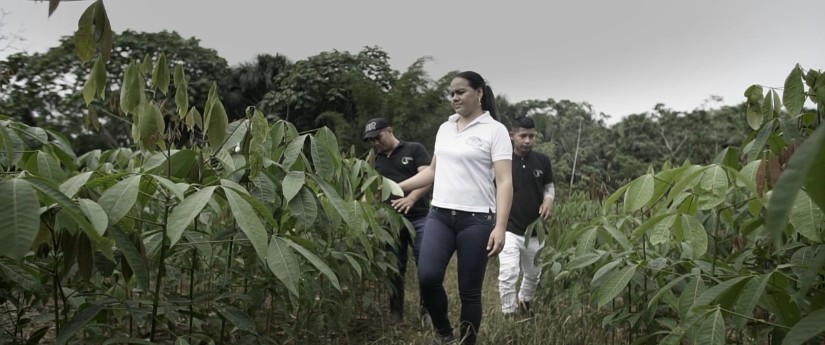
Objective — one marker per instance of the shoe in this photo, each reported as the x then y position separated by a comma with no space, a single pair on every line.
441,339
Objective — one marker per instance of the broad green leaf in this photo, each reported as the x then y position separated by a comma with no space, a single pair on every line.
71,186
715,180
237,317
712,331
257,151
809,278
70,208
335,199
131,93
304,208
712,293
89,89
86,314
96,215
587,241
610,201
675,337
12,146
653,301
119,200
661,231
614,285
321,160
767,106
292,184
283,263
248,221
689,179
749,172
750,298
806,217
606,268
99,77
754,115
45,165
84,37
181,92
695,235
648,224
13,272
390,187
177,189
160,76
798,171
151,127
183,214
814,183
761,139
777,104
806,329
690,295
793,95
638,193
215,124
19,218
317,262
293,150
133,257
583,260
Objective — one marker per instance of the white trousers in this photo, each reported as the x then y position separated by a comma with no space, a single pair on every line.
517,258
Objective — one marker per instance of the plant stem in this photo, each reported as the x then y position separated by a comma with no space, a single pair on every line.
161,268
229,273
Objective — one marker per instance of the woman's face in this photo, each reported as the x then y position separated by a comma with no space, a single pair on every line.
465,99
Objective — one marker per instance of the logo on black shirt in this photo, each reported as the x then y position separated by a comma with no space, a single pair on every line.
406,160
537,173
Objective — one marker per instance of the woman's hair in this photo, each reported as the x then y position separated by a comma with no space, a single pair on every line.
488,100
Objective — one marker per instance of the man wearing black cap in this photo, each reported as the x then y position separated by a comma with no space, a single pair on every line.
399,160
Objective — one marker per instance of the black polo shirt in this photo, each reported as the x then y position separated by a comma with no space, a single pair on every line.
403,163
531,173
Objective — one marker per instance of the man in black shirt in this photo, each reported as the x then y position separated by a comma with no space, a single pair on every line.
533,194
399,160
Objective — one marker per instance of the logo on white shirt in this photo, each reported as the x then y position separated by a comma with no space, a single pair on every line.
474,141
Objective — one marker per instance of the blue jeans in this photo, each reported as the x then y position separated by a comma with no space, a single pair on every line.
397,295
467,234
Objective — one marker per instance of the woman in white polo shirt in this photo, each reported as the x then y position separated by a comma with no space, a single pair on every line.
472,193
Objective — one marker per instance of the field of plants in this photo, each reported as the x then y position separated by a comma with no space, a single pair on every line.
213,228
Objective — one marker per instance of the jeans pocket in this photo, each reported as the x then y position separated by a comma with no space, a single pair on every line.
488,219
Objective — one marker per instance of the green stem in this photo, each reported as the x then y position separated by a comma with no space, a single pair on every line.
229,273
163,249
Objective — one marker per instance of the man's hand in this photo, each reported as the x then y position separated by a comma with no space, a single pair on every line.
546,209
496,242
403,205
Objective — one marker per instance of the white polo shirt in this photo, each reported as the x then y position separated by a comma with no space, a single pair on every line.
464,175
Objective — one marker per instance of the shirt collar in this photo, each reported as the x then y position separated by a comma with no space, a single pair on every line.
483,118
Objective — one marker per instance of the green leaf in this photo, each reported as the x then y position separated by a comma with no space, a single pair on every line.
53,195
151,127
89,89
806,217
777,104
84,38
304,208
335,199
183,214
754,116
321,160
86,314
237,317
661,231
293,150
767,106
257,151
317,262
793,95
750,298
715,180
798,171
761,139
390,187
10,271
608,267
160,76
584,260
806,329
695,235
19,218
690,295
638,193
283,263
712,331
181,91
131,93
292,184
712,293
248,221
45,165
133,257
610,201
587,241
96,215
119,200
614,285
99,77
71,186
177,189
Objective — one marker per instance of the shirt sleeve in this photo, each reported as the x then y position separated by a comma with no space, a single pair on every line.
502,148
421,156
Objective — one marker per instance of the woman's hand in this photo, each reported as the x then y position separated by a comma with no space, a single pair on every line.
496,241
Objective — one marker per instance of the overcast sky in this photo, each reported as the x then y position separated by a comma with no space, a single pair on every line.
620,56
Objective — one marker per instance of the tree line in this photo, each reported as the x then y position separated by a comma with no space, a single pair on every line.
341,90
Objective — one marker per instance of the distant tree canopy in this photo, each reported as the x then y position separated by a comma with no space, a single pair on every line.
342,90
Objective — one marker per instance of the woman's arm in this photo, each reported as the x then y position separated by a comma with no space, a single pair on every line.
423,179
504,199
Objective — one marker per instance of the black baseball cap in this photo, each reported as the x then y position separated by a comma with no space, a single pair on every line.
374,126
